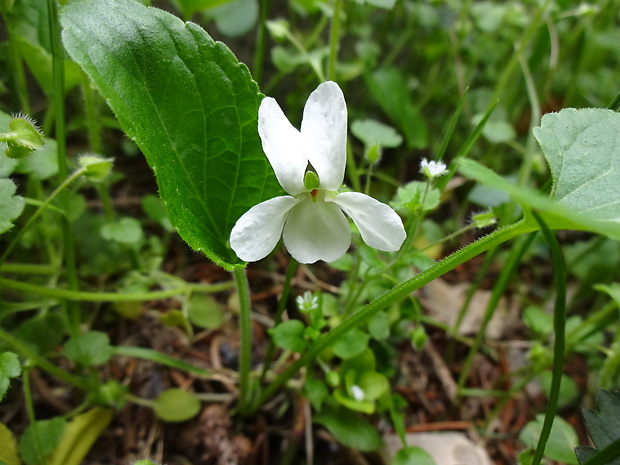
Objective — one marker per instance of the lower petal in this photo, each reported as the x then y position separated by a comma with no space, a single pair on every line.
258,230
379,225
316,230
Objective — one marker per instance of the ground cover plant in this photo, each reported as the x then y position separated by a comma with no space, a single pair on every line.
368,232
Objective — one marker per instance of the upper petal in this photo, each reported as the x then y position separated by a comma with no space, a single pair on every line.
316,231
259,229
324,134
283,146
379,225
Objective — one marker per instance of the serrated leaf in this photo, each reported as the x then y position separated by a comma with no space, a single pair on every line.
189,105
350,429
602,427
11,205
9,365
40,439
9,368
175,405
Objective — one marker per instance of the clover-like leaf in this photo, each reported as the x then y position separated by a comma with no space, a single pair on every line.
187,102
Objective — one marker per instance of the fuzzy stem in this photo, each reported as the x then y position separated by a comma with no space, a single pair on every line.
245,326
398,292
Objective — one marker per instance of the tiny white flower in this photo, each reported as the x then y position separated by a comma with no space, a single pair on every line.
357,393
307,302
432,169
309,165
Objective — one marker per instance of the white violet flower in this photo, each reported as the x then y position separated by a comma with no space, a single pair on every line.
432,169
309,165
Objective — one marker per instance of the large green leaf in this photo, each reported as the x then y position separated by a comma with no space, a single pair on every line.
189,105
582,148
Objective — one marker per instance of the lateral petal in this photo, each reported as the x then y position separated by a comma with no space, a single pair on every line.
259,229
324,134
379,225
316,231
283,146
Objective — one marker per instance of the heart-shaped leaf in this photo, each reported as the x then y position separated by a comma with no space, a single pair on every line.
582,148
189,105
583,151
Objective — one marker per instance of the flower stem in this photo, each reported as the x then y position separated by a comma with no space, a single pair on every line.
245,326
261,42
559,328
398,292
333,41
290,272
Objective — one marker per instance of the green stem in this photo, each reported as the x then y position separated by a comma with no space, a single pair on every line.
261,42
245,327
40,210
559,326
28,268
398,292
93,119
58,98
334,39
290,272
81,296
18,72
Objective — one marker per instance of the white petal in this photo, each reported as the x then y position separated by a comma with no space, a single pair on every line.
259,229
283,146
379,225
324,134
316,231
